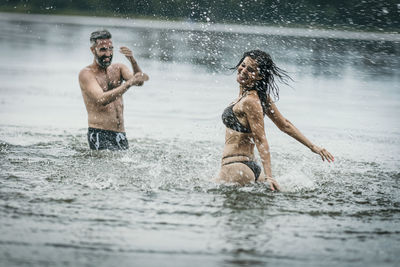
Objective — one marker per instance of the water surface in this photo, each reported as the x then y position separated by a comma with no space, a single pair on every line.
61,204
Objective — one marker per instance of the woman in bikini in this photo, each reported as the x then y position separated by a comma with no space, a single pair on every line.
244,121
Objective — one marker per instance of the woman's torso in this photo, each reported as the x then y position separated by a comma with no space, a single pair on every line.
238,136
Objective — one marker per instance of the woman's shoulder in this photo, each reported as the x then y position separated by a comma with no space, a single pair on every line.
251,102
251,98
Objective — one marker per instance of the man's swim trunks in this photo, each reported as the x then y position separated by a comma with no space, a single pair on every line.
103,139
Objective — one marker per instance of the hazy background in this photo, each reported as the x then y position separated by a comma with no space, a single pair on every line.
377,15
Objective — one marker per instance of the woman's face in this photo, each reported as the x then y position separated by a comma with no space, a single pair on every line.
248,73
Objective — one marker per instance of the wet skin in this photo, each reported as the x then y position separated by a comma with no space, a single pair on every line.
103,84
249,112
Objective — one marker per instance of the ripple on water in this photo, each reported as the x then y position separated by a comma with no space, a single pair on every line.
130,201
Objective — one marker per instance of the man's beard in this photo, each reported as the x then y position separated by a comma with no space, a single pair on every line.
101,61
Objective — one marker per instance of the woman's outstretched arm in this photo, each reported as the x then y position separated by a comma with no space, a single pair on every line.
287,127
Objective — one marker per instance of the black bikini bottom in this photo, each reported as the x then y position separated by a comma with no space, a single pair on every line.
100,139
251,164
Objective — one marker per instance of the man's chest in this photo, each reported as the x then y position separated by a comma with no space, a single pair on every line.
109,80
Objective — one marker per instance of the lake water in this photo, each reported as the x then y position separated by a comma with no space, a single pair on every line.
157,204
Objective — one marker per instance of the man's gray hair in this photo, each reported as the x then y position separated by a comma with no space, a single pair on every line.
102,34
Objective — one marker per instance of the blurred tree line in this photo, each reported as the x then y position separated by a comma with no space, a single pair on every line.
359,14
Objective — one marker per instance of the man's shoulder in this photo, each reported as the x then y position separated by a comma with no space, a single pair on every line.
86,72
85,76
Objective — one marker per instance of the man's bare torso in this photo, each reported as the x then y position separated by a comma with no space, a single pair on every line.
110,116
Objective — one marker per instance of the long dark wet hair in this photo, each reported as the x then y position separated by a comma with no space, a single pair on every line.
266,87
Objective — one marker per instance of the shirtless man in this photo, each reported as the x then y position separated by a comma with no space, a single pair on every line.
102,85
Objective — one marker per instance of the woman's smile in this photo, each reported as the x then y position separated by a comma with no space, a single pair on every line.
247,74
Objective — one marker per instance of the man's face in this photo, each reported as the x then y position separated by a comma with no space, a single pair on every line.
103,52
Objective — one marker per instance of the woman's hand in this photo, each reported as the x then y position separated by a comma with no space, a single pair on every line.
325,155
273,184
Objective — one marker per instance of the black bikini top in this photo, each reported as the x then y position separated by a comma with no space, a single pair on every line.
232,122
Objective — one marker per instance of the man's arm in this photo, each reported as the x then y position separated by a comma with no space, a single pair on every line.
128,54
137,71
92,89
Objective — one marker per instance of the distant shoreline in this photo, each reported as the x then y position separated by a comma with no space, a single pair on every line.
379,16
155,23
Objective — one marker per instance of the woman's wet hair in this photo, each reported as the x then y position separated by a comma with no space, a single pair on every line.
266,87
99,35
